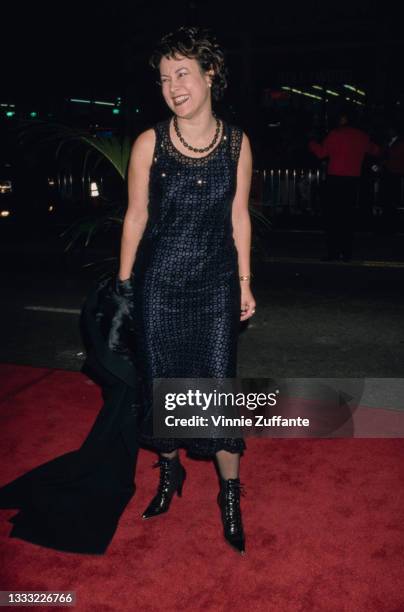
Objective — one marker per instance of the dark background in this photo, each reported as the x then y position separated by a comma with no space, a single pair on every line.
53,51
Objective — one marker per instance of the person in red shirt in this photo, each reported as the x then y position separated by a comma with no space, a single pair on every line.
346,147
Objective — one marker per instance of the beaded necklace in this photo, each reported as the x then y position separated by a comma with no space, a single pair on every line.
188,146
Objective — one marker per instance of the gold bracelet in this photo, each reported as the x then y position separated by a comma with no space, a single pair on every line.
247,277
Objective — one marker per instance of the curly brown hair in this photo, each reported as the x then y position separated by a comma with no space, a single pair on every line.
195,43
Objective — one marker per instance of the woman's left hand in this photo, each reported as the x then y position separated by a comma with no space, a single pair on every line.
247,303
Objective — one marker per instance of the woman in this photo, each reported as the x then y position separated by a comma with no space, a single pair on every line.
173,312
185,252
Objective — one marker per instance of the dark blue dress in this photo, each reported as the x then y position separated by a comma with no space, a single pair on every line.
186,320
187,290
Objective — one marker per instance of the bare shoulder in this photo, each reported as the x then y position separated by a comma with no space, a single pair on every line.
143,147
245,150
146,138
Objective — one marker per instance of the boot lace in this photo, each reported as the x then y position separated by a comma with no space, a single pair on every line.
232,505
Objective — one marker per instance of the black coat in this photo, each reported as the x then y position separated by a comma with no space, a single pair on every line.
74,502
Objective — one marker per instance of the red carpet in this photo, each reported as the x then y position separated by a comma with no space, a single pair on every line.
323,520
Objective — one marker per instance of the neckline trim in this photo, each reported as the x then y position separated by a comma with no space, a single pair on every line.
181,154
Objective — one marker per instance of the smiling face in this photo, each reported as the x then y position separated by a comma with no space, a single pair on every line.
185,86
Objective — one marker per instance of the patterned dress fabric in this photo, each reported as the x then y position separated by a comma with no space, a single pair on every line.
185,276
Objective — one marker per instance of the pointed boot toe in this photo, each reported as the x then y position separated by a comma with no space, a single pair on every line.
238,543
172,477
229,502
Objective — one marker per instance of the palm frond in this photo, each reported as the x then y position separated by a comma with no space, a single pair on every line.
39,134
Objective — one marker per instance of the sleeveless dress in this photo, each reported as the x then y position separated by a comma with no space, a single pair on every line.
186,321
187,291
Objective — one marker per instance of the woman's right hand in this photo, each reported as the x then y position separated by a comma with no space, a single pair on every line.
124,288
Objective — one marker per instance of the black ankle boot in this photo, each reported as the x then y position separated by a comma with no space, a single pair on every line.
229,502
172,477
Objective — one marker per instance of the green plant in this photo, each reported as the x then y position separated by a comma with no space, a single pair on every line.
43,135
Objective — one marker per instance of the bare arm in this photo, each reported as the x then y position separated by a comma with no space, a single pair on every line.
242,226
138,196
240,214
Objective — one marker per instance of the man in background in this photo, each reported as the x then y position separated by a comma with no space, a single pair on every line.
346,147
